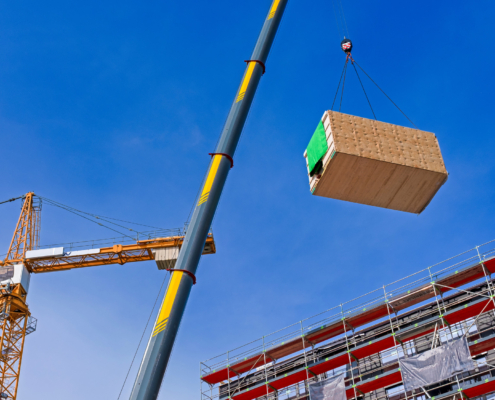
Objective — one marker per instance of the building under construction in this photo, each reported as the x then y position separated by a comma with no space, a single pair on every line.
368,339
365,343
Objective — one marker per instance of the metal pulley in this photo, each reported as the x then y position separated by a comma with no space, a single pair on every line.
346,45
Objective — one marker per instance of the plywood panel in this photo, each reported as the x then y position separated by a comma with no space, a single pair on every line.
379,164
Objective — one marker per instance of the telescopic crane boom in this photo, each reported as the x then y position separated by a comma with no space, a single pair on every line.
157,354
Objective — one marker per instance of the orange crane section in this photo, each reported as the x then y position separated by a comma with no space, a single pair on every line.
117,254
24,258
27,232
15,317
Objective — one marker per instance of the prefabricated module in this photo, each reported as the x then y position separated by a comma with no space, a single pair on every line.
375,163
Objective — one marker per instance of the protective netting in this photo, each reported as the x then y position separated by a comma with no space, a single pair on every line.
332,388
317,147
436,365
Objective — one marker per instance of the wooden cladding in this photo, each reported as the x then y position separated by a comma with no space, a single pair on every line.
379,164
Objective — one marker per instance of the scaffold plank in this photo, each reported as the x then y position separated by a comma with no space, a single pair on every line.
247,365
482,346
373,347
368,315
289,380
359,319
330,363
380,380
469,310
479,390
254,393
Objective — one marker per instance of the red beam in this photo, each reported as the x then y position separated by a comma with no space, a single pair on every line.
366,316
381,380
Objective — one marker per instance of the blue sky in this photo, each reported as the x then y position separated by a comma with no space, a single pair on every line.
112,108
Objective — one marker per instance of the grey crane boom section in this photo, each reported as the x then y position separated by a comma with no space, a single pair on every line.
161,342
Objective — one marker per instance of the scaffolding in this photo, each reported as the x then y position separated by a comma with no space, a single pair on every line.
366,337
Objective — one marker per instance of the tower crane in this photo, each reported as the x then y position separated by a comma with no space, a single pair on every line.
25,257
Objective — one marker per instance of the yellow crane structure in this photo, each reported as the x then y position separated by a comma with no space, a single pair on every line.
23,259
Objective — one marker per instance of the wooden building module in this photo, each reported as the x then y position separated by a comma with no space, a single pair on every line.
375,163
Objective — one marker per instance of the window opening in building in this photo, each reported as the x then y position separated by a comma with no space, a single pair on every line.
481,362
337,370
390,355
410,348
458,330
395,390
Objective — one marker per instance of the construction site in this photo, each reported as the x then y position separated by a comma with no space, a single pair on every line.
357,213
365,339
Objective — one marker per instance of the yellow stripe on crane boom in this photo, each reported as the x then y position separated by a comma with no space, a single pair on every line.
209,180
161,322
245,82
157,355
273,10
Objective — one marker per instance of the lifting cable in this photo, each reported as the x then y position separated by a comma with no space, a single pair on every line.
376,84
12,199
346,46
343,84
340,19
100,216
342,30
142,336
174,232
89,219
343,17
336,20
108,220
352,62
338,87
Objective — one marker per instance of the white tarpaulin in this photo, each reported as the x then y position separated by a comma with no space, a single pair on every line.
330,389
436,365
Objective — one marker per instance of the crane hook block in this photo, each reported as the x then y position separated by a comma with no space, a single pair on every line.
346,45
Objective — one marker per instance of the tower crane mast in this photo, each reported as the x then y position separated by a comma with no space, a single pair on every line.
15,317
27,232
24,258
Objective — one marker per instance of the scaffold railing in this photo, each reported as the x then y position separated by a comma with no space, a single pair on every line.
366,335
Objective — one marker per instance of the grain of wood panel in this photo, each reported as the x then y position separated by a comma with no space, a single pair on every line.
380,164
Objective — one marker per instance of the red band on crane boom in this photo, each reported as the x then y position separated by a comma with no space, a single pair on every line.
185,271
259,62
226,156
